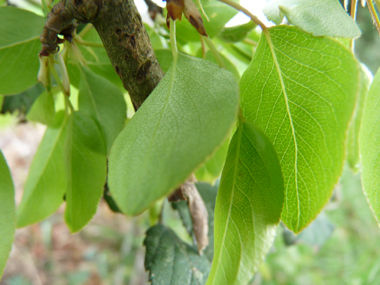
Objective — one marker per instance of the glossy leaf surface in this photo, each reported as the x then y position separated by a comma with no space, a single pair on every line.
301,90
19,47
319,17
171,261
248,207
7,213
104,103
185,118
370,147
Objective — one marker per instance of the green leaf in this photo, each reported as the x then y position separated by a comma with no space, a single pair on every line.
43,109
353,156
7,213
316,234
104,103
154,37
301,91
320,18
46,183
184,213
19,47
165,58
236,33
213,167
97,60
217,12
171,261
248,207
181,123
370,147
86,168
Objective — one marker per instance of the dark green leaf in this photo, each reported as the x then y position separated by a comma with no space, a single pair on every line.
43,109
47,182
184,212
248,207
301,91
104,103
7,213
370,147
181,123
320,18
19,47
171,261
86,167
237,33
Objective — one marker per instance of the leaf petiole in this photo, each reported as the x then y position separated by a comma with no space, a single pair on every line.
173,40
214,51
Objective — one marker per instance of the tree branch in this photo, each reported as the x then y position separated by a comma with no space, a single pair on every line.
123,35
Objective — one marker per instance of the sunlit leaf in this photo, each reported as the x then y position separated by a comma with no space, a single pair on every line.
248,207
301,90
7,213
370,147
320,18
19,47
43,109
46,183
181,123
171,261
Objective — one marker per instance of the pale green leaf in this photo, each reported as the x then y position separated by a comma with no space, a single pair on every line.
301,90
171,261
318,17
248,207
213,167
19,47
217,12
182,122
46,183
86,168
155,39
43,109
236,33
229,65
353,157
7,213
370,148
104,103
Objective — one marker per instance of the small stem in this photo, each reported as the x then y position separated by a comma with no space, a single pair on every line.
240,116
85,30
79,40
203,11
173,40
240,8
203,47
250,42
375,18
214,51
354,7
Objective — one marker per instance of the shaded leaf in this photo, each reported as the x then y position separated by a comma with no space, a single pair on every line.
171,261
184,213
43,109
218,13
248,207
165,58
370,147
47,182
320,18
316,234
181,123
353,156
104,103
236,33
86,167
19,47
301,91
7,213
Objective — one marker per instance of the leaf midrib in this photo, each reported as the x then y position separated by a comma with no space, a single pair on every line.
18,43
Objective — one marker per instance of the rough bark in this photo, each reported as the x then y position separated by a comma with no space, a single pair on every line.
123,35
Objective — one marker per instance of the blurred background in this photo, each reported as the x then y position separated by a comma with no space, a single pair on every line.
340,247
